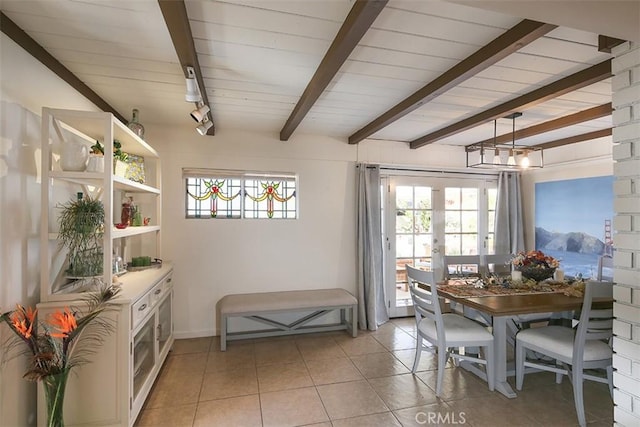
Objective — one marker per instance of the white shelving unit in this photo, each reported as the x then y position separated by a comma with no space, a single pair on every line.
111,387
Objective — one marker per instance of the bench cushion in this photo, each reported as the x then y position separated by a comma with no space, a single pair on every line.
239,304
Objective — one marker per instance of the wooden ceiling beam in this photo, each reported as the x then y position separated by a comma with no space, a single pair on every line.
177,21
606,43
18,35
558,88
576,138
360,18
548,126
509,42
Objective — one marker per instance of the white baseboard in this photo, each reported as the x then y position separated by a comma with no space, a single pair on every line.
180,335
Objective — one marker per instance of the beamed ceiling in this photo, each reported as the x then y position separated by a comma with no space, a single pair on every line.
420,72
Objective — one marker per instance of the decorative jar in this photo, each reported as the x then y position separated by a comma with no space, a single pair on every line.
135,125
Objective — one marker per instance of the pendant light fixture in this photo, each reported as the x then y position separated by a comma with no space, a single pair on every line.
520,157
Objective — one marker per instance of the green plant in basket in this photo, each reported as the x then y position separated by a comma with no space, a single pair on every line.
81,224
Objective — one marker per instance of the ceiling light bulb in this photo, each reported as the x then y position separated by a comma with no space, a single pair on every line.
204,127
511,161
496,157
199,113
525,160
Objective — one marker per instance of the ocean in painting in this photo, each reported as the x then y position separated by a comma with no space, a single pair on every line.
573,263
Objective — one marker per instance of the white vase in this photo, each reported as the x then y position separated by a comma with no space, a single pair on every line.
96,163
73,156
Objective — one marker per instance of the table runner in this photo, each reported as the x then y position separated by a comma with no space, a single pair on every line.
470,288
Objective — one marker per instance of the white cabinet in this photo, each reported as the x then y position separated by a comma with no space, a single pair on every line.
111,389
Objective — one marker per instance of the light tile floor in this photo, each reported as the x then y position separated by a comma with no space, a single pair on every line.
336,380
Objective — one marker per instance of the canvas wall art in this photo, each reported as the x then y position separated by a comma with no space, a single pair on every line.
574,222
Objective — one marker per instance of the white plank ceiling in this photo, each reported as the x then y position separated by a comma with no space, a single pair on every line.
257,56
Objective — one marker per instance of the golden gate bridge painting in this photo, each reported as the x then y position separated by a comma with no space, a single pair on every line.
573,222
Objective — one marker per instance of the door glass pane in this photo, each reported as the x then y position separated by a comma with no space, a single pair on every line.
452,221
452,198
422,246
461,221
469,198
404,221
469,244
469,222
404,246
413,206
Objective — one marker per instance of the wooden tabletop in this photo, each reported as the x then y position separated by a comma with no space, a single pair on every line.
508,305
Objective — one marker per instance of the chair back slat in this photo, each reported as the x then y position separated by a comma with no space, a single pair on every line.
459,262
594,324
500,264
425,299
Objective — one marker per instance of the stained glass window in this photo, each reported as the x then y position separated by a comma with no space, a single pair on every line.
235,194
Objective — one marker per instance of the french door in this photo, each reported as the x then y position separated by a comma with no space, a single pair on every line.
426,218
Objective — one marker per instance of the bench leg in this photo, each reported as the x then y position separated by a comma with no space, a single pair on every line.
223,333
354,321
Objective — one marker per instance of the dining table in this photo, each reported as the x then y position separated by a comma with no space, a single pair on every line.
500,308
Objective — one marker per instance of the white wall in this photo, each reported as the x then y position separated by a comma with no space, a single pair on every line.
26,86
218,257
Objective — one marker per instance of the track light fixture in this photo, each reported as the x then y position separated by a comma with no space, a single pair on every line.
200,113
193,91
204,126
520,157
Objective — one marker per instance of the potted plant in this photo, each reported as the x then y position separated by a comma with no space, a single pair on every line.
96,158
81,228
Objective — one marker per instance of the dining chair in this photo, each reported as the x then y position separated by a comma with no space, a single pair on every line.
446,332
574,350
461,265
499,264
605,268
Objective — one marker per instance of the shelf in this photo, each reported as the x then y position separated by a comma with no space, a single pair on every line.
132,186
133,231
93,126
96,179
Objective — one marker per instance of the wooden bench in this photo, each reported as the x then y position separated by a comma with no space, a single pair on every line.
255,306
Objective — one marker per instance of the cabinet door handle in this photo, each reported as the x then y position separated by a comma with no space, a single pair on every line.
142,307
157,291
169,280
159,334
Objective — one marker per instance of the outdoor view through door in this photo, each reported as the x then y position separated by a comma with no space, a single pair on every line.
426,218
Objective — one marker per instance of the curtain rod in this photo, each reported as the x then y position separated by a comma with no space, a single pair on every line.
443,172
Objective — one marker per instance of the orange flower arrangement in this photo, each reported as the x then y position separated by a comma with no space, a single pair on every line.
54,344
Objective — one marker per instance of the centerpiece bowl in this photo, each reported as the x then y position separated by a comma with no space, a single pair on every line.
537,273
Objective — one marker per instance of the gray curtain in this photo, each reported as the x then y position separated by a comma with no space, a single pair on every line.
372,310
509,223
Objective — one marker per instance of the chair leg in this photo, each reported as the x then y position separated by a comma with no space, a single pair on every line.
490,368
442,364
558,374
578,396
520,350
416,359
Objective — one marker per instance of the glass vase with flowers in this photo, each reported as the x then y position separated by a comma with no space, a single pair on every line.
65,339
